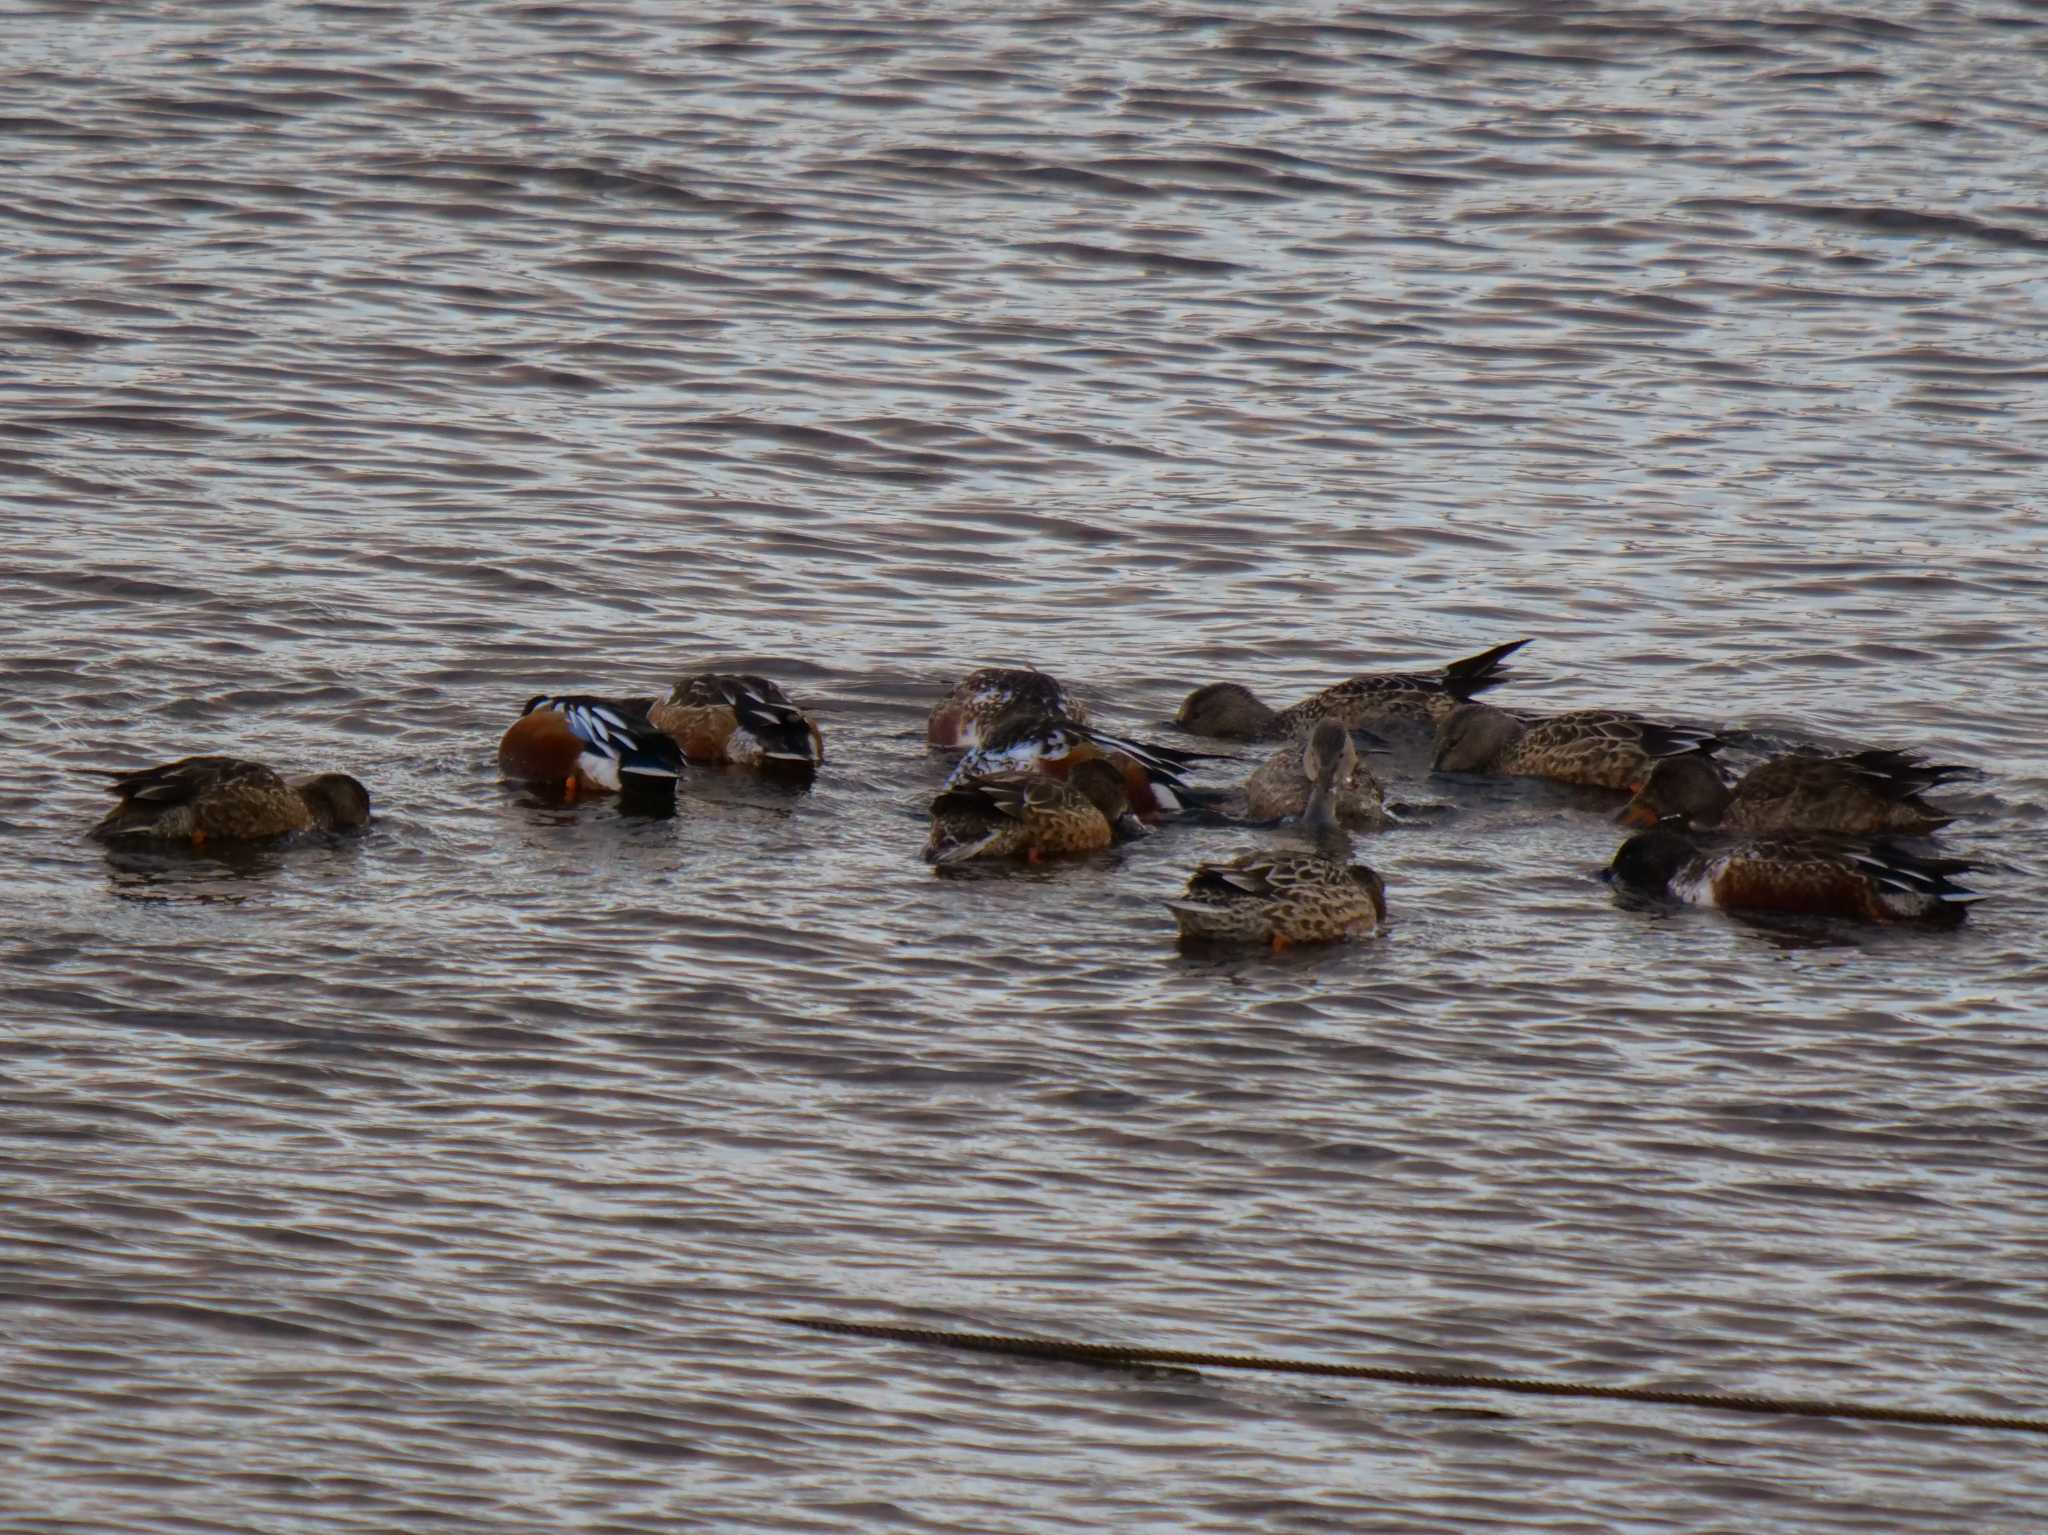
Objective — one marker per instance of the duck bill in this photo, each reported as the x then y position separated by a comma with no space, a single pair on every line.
1639,814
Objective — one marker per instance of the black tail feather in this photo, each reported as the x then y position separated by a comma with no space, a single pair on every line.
1896,868
1477,673
1678,740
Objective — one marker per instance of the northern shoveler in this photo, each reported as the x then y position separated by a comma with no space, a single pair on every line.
582,744
1863,794
1233,711
1280,899
741,719
1605,748
1029,740
963,717
1870,882
1030,814
1289,898
222,799
1279,789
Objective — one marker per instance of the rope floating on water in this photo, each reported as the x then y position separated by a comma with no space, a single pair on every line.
1069,1351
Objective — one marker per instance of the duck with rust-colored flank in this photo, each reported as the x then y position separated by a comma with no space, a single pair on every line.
1233,711
1603,748
228,799
964,716
1030,814
738,718
1817,876
1287,898
1028,740
578,744
1279,788
1860,794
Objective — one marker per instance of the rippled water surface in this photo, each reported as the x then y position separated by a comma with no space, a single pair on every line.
370,368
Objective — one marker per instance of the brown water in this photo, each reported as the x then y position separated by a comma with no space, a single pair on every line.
370,368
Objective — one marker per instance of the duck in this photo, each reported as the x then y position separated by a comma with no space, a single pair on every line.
1032,814
1290,897
1028,739
1859,794
580,744
961,720
1603,748
1823,876
739,719
228,799
1279,788
1232,711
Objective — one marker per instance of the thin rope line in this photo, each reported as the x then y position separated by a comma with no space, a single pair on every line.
1074,1352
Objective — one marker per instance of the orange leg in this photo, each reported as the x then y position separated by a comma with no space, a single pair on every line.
569,787
199,839
1282,943
1034,854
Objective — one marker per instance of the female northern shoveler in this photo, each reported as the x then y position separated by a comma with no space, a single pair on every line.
577,743
1231,710
1029,740
1032,814
1281,899
1601,747
1279,789
740,719
220,799
1871,882
963,717
1865,794
1289,898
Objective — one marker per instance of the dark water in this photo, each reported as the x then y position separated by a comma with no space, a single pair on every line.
370,368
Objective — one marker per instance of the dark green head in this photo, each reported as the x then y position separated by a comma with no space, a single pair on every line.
1648,860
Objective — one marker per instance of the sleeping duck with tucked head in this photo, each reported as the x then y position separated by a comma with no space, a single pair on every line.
1031,815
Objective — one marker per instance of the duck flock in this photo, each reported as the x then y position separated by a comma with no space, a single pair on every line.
1036,778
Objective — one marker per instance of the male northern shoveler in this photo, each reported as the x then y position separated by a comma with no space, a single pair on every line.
1289,898
738,718
1863,794
1029,813
1821,876
1029,740
229,799
1601,747
1233,711
1280,788
964,716
578,743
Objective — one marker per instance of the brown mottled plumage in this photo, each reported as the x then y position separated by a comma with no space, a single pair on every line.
1279,788
1822,876
1863,794
1290,898
229,799
1008,814
1601,747
1233,711
1280,899
963,717
738,718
